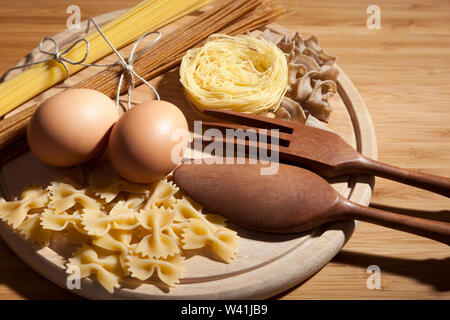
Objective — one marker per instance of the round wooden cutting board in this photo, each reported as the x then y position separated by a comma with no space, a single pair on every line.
266,264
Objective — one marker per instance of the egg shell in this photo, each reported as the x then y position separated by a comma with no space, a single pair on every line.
140,145
71,127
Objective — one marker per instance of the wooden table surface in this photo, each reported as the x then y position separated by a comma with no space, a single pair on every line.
403,73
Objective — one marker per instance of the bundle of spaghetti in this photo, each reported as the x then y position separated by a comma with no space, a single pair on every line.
148,15
230,16
241,73
233,17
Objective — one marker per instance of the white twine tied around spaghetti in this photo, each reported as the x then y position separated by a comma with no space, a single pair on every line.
127,67
54,54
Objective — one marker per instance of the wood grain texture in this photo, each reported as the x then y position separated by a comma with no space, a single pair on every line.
261,255
402,73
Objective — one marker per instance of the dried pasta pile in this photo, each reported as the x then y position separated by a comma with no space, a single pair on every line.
122,229
147,15
241,73
312,77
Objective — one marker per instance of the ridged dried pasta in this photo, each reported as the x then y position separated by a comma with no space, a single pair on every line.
199,234
133,201
116,240
312,77
88,260
15,212
163,194
61,221
64,196
122,229
185,210
112,190
160,242
168,270
31,230
97,223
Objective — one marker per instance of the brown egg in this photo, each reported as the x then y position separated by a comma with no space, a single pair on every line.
71,127
141,144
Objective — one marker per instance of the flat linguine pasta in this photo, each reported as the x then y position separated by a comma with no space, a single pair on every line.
122,229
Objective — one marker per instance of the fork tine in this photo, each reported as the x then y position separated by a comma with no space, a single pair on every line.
251,120
283,138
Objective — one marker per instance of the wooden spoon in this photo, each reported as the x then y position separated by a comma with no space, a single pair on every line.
292,200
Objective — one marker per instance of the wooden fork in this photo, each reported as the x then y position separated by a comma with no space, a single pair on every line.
321,151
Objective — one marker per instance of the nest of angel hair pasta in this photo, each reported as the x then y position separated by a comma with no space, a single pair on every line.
241,73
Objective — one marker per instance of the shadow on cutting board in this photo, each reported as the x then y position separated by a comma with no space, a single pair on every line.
26,282
442,215
432,272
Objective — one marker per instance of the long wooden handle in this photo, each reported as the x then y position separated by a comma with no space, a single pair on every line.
437,184
436,230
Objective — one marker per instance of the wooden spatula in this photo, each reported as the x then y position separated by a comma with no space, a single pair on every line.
324,152
292,200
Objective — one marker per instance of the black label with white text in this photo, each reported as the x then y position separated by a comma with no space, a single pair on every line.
232,310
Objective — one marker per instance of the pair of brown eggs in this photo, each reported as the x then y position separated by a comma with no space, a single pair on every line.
77,125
